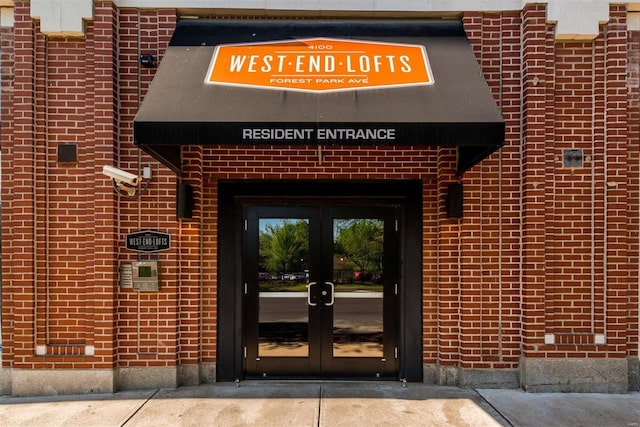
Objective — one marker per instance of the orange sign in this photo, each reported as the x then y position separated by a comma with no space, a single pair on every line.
320,65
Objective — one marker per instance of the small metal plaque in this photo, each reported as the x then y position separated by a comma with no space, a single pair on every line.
148,241
67,153
572,158
126,276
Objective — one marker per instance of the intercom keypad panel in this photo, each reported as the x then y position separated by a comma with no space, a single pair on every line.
145,275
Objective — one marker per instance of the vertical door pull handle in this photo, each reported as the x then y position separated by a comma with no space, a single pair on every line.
309,286
333,294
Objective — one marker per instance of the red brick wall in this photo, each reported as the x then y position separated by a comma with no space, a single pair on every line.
490,261
576,220
537,45
149,324
57,267
100,150
206,166
64,209
18,258
618,269
572,99
575,206
542,249
6,136
65,230
633,174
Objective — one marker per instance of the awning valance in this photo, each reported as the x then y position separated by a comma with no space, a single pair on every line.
319,82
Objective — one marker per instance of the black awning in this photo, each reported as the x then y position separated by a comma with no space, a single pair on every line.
457,110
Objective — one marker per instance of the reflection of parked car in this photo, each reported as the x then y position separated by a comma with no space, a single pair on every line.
264,276
361,275
293,276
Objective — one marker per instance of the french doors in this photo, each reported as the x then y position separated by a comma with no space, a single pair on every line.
321,291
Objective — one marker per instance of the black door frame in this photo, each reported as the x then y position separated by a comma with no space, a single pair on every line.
233,195
321,362
299,366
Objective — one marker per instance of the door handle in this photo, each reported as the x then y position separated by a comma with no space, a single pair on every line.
333,293
309,286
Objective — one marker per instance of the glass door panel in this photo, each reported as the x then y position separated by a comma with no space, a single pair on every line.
358,287
283,314
319,292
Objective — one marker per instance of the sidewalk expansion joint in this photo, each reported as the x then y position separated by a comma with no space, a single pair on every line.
139,408
320,406
504,417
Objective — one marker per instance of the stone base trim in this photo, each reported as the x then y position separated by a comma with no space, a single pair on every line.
205,373
430,374
470,378
490,378
544,375
634,374
5,380
447,375
208,372
188,375
148,377
48,382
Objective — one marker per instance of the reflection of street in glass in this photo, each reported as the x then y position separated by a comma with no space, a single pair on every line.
356,299
283,325
350,344
283,339
357,326
358,251
281,349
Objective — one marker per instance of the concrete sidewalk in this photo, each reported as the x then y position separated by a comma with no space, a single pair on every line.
262,403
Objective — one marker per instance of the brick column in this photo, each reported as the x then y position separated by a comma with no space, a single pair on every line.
6,137
105,133
209,282
534,50
617,143
449,280
22,222
633,171
191,276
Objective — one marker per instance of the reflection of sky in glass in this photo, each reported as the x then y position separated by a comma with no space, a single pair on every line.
263,223
339,224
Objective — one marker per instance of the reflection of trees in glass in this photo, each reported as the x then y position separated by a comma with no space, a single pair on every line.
361,242
284,247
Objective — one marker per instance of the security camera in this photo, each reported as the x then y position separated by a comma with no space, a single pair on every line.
125,189
120,176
